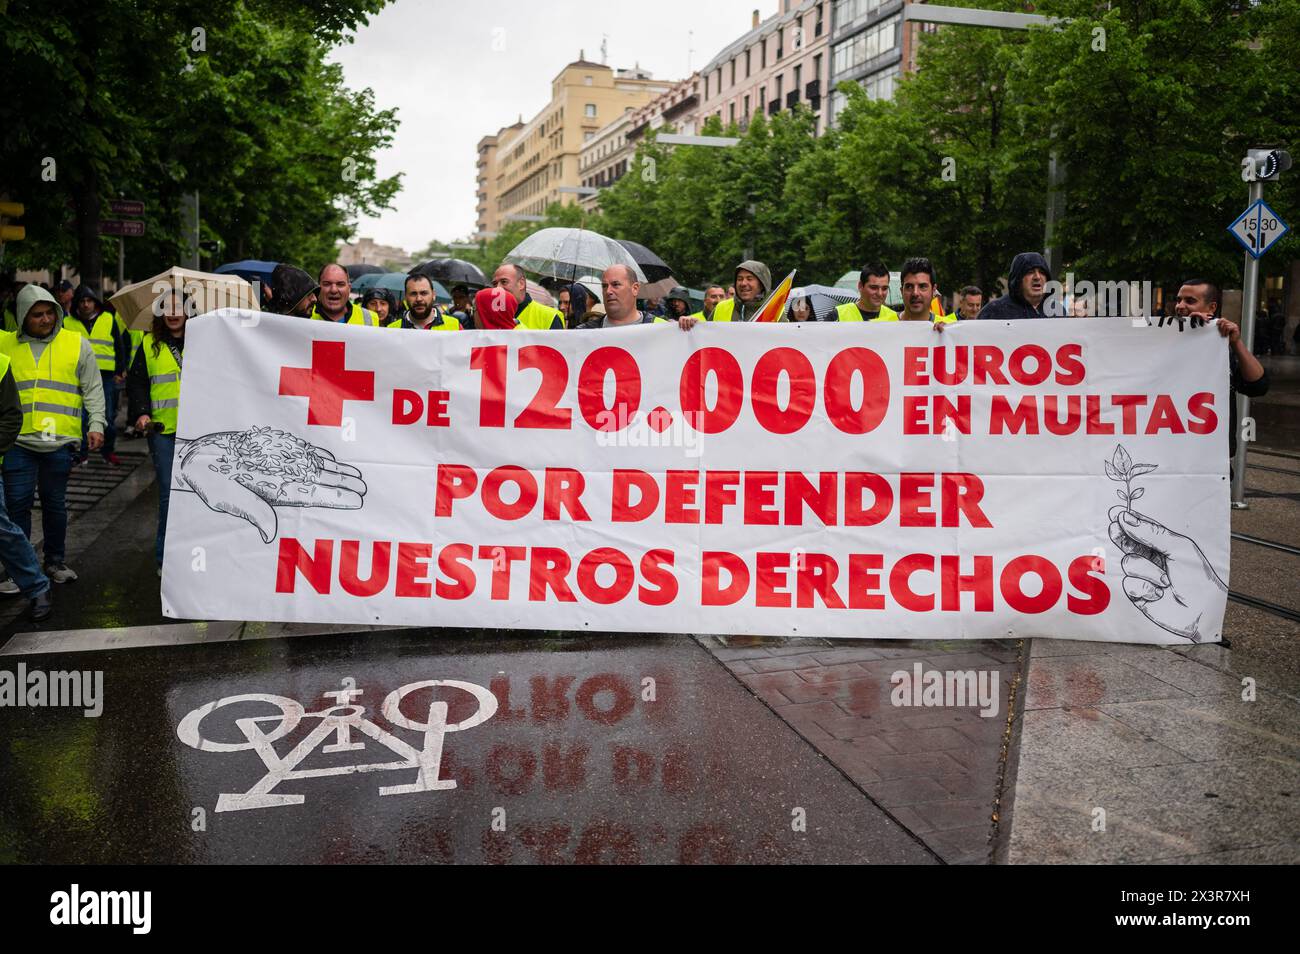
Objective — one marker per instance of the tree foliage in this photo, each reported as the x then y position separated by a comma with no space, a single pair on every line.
151,100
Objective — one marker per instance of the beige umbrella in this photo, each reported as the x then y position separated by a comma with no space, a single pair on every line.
204,290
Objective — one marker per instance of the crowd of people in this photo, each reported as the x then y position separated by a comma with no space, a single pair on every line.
65,352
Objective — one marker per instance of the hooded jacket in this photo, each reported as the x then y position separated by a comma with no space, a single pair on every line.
1013,305
92,387
121,343
291,285
734,307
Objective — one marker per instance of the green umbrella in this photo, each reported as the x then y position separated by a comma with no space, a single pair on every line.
396,282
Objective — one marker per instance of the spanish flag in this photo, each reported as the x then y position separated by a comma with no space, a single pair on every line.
774,307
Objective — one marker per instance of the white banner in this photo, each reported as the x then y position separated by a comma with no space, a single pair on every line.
1038,478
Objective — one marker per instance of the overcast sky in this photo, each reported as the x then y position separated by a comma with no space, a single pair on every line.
435,62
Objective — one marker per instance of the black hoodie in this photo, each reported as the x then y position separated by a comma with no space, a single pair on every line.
1013,304
121,343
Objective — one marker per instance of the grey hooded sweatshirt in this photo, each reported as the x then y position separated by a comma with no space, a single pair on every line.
92,388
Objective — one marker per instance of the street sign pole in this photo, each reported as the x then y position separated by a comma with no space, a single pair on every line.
1249,301
121,260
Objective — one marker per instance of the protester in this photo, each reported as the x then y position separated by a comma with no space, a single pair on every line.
1200,299
383,304
294,291
334,300
112,350
16,552
873,288
1026,290
63,291
753,279
677,303
619,288
579,304
801,309
153,391
57,374
563,302
969,302
918,281
462,308
495,309
712,295
533,315
422,314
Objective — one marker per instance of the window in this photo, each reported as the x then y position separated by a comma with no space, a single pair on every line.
747,64
591,111
762,53
867,45
731,113
780,44
817,67
798,33
821,9
586,81
746,107
798,77
706,86
780,86
588,136
733,71
848,13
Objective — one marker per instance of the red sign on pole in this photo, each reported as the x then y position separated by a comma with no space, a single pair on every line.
125,227
126,207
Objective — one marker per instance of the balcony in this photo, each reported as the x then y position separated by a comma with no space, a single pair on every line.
813,90
791,99
774,107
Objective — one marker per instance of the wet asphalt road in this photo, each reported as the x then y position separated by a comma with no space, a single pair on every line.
601,749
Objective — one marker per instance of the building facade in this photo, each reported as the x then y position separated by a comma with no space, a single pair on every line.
365,251
871,46
611,152
780,62
523,171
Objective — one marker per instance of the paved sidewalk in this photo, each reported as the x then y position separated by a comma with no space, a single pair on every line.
936,771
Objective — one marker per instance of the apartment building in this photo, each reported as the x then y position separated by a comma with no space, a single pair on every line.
778,63
871,46
522,171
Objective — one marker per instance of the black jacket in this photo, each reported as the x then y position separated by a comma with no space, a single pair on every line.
1013,305
1251,389
11,412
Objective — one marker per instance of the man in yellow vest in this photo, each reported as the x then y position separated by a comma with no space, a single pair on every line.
619,288
15,549
873,288
712,295
334,302
753,281
57,375
918,283
421,312
112,348
531,314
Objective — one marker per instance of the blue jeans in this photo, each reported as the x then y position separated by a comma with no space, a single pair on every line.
25,474
163,449
18,556
110,413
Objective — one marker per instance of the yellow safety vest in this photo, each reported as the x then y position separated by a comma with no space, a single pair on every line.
4,366
164,384
849,312
723,310
49,389
101,342
894,316
445,322
356,316
538,317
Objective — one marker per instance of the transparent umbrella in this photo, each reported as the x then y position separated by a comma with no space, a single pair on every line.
566,253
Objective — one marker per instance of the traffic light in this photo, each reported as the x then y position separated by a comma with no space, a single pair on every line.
8,231
1264,165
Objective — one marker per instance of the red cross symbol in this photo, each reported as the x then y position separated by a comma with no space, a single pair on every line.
327,384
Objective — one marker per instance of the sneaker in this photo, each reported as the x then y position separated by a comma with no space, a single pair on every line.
9,587
42,605
60,573
113,459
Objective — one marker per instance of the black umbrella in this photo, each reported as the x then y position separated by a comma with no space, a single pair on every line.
651,264
356,271
452,272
